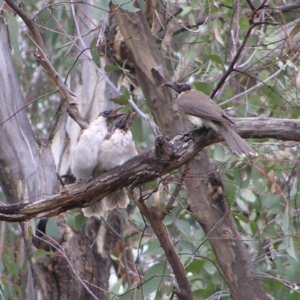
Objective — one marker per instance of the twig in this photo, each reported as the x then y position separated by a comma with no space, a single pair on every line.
146,167
61,250
233,62
177,190
153,126
160,230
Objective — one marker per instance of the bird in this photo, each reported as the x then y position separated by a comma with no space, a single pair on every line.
117,147
202,111
85,156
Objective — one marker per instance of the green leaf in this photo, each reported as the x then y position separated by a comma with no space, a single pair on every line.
230,190
154,278
219,154
109,68
246,182
13,30
186,246
95,53
126,5
186,10
248,195
195,266
290,249
272,201
240,217
270,231
242,205
286,219
154,248
32,226
273,94
216,58
40,253
254,227
79,221
99,8
51,227
123,100
209,268
203,87
237,175
184,227
70,221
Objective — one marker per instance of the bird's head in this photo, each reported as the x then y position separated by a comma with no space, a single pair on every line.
125,122
111,115
178,87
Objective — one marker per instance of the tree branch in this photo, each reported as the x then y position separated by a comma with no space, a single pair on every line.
146,167
155,218
43,60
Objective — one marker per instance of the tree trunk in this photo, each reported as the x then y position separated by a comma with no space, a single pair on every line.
28,171
205,196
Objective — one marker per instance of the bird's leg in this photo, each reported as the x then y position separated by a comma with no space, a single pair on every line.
89,179
78,181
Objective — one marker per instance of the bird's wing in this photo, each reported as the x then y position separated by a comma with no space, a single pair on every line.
198,104
118,198
97,210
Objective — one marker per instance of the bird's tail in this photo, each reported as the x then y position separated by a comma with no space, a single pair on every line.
96,210
235,142
119,198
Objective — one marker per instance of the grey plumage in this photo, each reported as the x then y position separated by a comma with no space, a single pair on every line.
200,110
85,157
118,147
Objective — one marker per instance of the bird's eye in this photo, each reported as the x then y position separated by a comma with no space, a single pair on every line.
118,124
105,113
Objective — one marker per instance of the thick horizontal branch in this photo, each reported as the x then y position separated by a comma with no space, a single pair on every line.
150,165
279,129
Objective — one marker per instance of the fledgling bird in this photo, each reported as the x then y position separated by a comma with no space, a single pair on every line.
117,147
202,111
85,157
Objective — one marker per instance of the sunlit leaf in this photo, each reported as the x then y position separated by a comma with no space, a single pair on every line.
248,195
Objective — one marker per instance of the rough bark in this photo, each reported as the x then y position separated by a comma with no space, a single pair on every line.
28,172
217,220
151,164
147,62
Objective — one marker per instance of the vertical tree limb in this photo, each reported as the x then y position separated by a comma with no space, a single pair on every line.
204,189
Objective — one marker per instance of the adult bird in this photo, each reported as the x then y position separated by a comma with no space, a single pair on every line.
86,154
117,147
200,110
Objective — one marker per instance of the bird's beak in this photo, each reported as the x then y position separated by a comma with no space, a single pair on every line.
114,115
117,109
169,84
126,121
